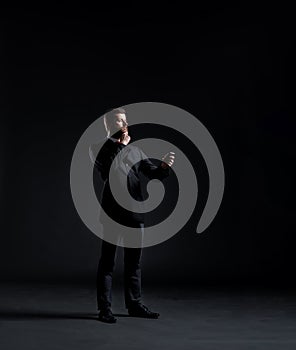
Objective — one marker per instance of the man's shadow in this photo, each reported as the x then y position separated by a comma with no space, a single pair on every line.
36,315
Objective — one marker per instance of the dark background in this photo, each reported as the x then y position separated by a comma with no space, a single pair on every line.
231,66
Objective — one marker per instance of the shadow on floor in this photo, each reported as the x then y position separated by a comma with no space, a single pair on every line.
31,315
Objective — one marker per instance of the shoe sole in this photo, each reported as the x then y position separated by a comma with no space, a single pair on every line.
107,321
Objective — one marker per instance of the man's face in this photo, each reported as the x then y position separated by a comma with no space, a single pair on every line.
120,123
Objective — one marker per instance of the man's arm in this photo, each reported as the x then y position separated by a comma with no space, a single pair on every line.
152,171
103,160
107,153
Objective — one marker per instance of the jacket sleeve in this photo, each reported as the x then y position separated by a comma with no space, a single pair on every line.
103,160
151,170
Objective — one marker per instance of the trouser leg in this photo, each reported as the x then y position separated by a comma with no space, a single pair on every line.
105,274
132,274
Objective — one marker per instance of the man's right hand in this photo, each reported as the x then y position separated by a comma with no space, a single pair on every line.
125,138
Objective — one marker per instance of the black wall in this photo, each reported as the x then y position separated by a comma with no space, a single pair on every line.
232,67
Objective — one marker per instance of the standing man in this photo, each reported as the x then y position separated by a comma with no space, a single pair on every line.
117,139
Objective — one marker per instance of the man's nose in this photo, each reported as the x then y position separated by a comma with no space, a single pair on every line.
125,123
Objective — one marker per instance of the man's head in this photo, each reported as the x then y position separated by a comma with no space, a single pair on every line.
115,120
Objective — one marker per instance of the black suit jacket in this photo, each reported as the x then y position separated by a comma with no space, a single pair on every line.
122,170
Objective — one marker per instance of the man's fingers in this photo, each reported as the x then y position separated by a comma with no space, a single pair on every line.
169,158
169,154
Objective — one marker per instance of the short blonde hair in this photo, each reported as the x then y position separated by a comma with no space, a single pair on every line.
110,115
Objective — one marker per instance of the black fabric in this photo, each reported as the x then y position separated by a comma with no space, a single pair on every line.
132,275
122,168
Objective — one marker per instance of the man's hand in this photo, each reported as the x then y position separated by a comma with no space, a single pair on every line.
168,160
124,138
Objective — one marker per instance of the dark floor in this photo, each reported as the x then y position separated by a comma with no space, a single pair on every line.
64,317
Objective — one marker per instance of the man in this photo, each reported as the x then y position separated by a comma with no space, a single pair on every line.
117,139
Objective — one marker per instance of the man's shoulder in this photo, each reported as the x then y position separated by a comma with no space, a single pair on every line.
105,142
95,148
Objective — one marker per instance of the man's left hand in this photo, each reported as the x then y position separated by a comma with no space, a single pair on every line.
168,160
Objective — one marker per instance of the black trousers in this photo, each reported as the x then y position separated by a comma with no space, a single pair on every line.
132,275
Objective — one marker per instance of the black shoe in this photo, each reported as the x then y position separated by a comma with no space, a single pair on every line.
107,316
141,310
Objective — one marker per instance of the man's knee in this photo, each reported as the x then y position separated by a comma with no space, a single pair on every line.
107,263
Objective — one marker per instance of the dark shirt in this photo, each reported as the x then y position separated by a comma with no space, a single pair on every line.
142,165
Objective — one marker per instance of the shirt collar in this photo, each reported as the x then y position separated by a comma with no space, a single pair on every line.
112,139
